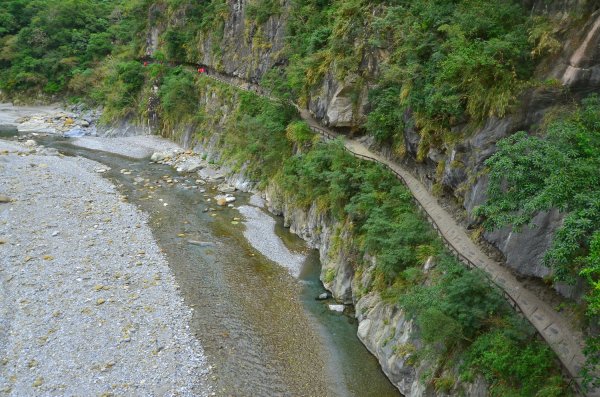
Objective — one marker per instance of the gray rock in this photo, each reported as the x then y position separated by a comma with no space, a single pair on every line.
164,155
226,188
201,243
190,164
525,250
336,308
323,296
75,132
101,169
429,264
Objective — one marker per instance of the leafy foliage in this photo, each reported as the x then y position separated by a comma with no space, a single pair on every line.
529,174
262,10
378,206
515,365
461,317
44,43
178,94
450,61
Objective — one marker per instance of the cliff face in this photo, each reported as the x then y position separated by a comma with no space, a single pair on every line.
384,328
576,72
241,47
576,69
247,48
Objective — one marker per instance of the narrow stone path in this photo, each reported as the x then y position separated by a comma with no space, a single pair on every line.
566,341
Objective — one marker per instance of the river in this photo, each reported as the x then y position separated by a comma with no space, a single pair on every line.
262,329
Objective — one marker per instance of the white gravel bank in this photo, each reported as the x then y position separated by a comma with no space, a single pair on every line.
138,146
9,114
88,305
260,233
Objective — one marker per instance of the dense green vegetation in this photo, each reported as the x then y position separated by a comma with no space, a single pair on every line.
448,63
464,322
47,44
532,173
482,335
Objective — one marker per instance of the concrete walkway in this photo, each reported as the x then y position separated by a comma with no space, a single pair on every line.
558,332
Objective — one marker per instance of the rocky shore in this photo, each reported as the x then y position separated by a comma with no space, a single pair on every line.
88,304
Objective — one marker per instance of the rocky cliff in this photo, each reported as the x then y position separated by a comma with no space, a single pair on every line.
249,47
384,328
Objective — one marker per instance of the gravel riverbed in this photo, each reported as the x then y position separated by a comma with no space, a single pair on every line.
88,304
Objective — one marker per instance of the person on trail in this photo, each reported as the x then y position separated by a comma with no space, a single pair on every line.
201,70
145,63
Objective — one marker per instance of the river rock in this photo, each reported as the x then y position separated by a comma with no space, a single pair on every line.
323,296
201,243
224,188
30,143
162,156
157,156
222,201
336,308
190,164
75,132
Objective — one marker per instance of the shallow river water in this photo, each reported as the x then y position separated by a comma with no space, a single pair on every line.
262,330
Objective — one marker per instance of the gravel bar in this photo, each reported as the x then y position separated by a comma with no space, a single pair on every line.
260,233
88,304
138,147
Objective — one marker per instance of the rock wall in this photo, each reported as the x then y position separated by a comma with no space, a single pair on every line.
248,49
384,328
242,47
576,69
